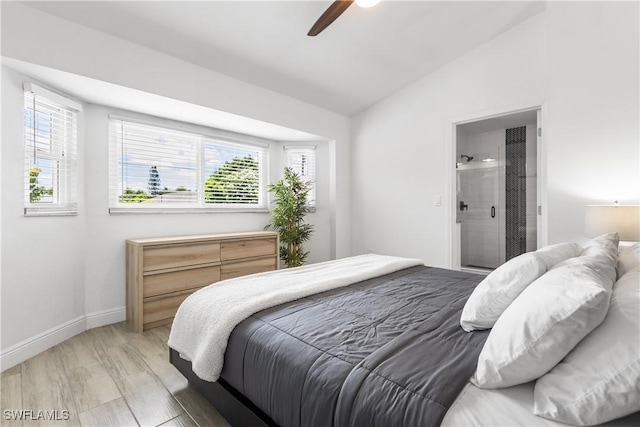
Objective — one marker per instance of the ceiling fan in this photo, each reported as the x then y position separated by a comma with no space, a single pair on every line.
336,9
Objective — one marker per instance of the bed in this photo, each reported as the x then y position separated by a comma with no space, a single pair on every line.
384,350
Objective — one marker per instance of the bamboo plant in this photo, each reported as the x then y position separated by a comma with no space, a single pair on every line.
287,217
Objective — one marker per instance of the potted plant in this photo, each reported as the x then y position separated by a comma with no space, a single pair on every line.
291,206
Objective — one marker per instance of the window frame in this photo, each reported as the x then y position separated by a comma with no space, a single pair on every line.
313,194
205,135
63,152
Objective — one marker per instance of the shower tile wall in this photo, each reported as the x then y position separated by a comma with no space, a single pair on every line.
516,191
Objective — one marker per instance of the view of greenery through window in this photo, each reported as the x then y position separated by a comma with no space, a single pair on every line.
36,191
235,182
47,130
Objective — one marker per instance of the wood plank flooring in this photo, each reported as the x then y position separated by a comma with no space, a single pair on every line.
105,376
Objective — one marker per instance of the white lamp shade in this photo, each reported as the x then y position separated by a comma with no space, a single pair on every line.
625,220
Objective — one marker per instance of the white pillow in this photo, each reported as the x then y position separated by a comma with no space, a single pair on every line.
503,285
628,258
554,254
605,249
544,323
600,379
494,294
604,241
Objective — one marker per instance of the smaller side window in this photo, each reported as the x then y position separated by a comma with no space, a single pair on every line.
303,161
50,141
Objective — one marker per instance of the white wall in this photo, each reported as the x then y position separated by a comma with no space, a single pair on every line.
408,137
60,273
42,258
592,120
1,210
578,60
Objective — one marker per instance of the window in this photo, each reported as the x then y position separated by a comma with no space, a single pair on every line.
303,161
50,140
156,167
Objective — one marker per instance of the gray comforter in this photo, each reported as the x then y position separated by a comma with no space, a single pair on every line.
384,352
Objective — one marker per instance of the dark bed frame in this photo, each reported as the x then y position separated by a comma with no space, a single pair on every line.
231,404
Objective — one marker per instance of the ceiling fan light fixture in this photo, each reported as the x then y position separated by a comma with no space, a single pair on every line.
367,3
334,11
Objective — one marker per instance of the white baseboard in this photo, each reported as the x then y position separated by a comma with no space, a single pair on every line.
106,317
28,348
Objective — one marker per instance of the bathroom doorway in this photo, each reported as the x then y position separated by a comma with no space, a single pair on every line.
497,189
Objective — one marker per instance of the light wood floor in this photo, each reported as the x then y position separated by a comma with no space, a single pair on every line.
106,376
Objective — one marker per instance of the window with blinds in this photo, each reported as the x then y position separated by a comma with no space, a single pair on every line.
50,140
156,167
303,161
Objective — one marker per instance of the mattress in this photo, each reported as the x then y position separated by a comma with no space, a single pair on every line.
511,406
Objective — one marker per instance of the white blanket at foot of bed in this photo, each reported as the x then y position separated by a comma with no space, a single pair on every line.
205,320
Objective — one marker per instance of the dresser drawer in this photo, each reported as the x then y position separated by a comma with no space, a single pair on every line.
243,268
248,249
175,281
162,308
162,257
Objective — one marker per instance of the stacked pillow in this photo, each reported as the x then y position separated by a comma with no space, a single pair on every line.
604,249
597,380
500,288
549,317
600,379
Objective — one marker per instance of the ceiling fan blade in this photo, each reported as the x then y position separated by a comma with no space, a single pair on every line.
329,15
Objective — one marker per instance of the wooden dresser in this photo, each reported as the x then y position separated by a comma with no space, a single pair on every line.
163,272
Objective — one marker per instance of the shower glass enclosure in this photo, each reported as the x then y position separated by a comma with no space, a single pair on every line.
496,191
480,214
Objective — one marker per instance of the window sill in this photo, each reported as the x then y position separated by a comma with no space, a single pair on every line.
49,212
146,211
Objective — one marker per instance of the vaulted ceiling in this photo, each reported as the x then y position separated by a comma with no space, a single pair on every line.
363,57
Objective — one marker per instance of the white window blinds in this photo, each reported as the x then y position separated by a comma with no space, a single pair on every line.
155,167
50,140
303,162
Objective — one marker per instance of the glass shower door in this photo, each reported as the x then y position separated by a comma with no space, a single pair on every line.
479,216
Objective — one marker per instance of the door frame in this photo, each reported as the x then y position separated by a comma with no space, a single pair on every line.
453,228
